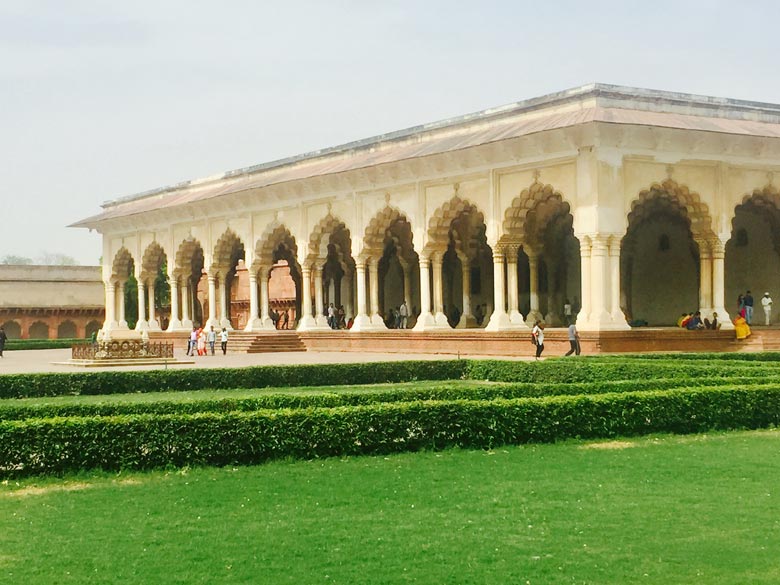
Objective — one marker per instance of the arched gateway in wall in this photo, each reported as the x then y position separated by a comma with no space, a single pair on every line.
621,201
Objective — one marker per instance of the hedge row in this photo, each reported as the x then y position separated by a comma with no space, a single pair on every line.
149,441
19,344
763,356
275,401
92,383
550,371
574,370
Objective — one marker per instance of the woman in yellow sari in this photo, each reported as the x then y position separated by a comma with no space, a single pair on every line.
741,327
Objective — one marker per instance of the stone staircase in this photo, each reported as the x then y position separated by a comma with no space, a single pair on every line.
244,341
272,341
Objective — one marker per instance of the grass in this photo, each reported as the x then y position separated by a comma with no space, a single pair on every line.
694,509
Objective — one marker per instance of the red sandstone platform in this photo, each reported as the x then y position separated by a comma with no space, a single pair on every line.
478,342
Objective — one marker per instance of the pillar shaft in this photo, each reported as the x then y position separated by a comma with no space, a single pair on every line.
614,281
718,285
175,322
213,318
253,300
141,322
373,284
319,301
437,265
150,289
121,304
584,315
186,314
265,313
110,321
513,298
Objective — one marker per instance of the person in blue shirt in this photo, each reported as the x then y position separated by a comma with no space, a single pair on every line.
748,308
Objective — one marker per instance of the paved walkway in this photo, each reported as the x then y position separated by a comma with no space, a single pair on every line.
42,360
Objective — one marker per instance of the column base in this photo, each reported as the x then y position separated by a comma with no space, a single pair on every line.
427,322
154,325
259,324
516,318
363,323
212,323
602,322
553,320
499,321
141,324
322,321
532,317
309,323
466,322
377,322
187,324
723,318
122,325
226,324
441,319
177,325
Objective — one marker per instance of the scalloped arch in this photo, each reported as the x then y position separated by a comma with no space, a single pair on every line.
274,235
440,224
538,201
378,226
766,203
224,249
188,248
121,266
673,198
153,258
321,237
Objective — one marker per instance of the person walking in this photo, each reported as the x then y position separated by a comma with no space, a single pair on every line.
3,338
211,338
748,308
538,334
574,340
766,302
567,313
223,338
193,341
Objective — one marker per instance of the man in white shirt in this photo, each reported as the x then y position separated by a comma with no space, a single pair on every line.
403,312
766,302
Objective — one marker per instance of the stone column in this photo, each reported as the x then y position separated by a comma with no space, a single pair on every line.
467,320
407,284
705,279
265,313
513,298
110,322
598,292
154,325
552,318
583,317
142,323
373,279
614,280
718,284
174,324
319,301
437,263
499,319
253,320
362,321
213,320
346,294
534,314
425,319
121,303
224,303
307,320
186,313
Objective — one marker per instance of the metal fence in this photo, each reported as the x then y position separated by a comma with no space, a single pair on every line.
121,349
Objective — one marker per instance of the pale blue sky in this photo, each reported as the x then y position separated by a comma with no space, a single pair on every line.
104,99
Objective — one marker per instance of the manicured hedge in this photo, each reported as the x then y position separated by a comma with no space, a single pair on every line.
577,370
550,371
19,344
149,441
119,382
274,401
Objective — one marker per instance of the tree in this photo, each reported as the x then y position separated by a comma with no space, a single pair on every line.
11,259
56,259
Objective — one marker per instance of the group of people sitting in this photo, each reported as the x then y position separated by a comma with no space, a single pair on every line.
693,321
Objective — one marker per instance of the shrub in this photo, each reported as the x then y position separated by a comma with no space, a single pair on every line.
148,441
19,344
56,384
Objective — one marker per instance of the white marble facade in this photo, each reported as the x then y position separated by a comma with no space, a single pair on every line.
632,204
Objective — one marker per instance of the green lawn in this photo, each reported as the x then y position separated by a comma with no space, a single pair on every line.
666,510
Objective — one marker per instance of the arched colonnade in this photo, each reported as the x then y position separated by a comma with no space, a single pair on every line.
669,259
